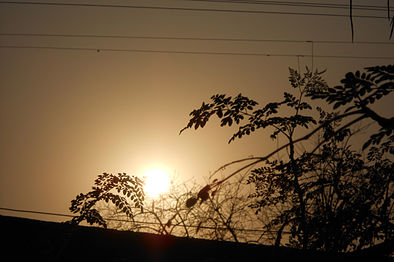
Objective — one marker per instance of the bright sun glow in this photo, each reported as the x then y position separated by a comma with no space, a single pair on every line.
157,181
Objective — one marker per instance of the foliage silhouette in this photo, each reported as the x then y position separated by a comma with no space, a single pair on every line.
116,201
84,204
300,185
231,110
360,90
325,197
347,201
223,216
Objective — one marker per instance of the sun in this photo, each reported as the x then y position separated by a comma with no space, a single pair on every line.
157,181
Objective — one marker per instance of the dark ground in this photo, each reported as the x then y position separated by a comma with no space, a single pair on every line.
27,239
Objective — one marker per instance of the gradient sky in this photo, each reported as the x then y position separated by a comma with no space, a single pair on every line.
67,116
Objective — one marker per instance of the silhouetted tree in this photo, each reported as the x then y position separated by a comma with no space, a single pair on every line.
326,196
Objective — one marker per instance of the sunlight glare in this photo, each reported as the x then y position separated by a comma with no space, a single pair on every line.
157,181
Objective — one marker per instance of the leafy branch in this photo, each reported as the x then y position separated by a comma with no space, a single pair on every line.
358,90
84,204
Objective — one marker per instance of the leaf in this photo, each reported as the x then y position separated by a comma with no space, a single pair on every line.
219,113
126,210
198,227
204,193
227,121
214,193
337,104
191,202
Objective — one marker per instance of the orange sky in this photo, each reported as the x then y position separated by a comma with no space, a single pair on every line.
67,116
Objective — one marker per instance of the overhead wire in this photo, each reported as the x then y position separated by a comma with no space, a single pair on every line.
253,2
192,38
64,48
125,220
189,9
298,4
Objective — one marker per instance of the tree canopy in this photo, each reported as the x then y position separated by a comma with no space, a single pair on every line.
327,196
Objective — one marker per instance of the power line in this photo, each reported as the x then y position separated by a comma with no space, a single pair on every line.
35,212
192,38
129,221
191,9
299,4
60,48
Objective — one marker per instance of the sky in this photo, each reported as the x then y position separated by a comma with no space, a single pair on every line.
89,105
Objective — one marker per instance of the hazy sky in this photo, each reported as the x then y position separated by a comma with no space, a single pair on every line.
67,115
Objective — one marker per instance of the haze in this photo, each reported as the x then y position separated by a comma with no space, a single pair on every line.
67,115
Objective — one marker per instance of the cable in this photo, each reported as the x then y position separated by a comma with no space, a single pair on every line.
125,220
191,38
35,212
190,52
191,9
298,4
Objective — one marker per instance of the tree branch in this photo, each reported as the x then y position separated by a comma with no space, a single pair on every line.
261,159
386,123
